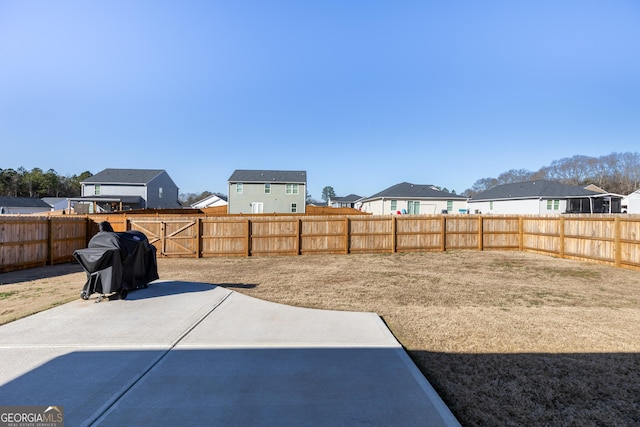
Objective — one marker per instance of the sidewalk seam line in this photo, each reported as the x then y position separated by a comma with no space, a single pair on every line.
104,409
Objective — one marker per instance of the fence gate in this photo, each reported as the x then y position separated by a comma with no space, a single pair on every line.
176,238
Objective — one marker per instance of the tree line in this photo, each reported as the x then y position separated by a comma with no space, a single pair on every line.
617,173
37,184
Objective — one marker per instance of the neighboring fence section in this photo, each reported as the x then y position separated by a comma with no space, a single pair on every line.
614,240
32,241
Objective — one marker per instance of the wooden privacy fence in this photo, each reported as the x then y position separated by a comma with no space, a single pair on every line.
32,241
612,240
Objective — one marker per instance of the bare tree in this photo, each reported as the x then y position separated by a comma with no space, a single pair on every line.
514,175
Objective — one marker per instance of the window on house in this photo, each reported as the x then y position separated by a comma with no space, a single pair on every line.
292,189
413,207
294,207
239,188
267,189
394,205
96,189
449,205
160,192
491,205
553,205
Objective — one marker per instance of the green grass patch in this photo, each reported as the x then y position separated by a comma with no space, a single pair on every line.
5,295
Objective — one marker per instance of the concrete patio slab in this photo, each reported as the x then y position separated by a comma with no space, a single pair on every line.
182,353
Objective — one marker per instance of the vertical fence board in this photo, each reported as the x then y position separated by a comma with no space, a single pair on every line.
67,234
418,233
24,242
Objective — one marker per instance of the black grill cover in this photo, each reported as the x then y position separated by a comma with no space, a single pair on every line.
121,260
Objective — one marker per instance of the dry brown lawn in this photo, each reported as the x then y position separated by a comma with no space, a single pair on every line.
506,338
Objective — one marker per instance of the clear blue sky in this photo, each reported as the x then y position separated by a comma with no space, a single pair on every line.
361,94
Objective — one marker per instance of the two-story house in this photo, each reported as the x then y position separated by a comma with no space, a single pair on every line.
124,189
267,191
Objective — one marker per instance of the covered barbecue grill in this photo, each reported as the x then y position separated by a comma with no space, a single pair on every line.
117,262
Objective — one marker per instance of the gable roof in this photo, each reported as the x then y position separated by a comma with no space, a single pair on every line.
51,201
533,189
259,176
213,198
23,202
124,176
349,198
406,190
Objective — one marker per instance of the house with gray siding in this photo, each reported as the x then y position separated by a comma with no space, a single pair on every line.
543,197
267,191
413,199
125,189
22,205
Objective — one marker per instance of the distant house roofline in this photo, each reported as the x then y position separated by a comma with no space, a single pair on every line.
124,176
268,176
406,190
537,189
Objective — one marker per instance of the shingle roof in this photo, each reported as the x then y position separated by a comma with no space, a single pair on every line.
240,175
349,198
406,190
124,176
53,200
533,189
23,202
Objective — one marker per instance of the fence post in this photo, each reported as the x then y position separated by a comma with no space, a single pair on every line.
480,233
299,251
50,241
347,234
394,234
618,242
163,239
248,240
443,233
199,237
562,225
520,233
